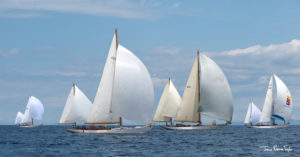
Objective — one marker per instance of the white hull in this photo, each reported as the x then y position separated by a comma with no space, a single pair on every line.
201,127
267,126
124,130
29,126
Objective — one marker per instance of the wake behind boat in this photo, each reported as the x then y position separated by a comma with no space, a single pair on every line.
211,96
277,106
125,91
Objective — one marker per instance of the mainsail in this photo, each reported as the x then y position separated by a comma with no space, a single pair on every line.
34,110
268,105
283,104
168,103
19,118
188,108
101,109
77,107
215,93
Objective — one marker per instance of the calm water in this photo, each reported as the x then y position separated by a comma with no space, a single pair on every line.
226,141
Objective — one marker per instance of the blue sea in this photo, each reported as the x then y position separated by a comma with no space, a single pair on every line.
224,141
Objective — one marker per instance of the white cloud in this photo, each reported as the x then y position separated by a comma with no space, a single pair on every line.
115,8
10,52
175,5
159,82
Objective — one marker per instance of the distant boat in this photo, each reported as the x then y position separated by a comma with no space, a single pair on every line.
77,107
19,118
34,111
277,106
125,91
168,104
207,93
253,114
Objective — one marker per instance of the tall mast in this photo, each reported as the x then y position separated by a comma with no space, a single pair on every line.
198,84
74,88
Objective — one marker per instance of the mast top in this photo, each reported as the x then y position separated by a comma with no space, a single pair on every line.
74,88
116,32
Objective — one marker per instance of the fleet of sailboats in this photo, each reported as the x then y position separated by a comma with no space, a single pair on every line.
277,106
126,92
34,111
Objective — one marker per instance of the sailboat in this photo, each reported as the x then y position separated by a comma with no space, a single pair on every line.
168,104
34,111
77,107
277,105
206,93
253,114
125,91
19,118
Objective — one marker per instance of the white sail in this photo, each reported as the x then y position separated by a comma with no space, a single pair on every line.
158,117
77,107
283,106
133,96
215,93
268,105
168,103
19,118
101,109
188,108
172,102
255,114
247,118
34,110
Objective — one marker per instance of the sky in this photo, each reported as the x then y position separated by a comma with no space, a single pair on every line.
47,45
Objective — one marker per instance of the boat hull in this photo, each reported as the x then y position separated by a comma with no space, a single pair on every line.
123,130
201,127
267,126
29,126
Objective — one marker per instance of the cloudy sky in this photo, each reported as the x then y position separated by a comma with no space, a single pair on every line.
47,45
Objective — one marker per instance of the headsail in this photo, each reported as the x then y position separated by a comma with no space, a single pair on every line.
188,108
77,107
248,114
19,118
283,105
168,104
215,93
101,109
133,96
268,105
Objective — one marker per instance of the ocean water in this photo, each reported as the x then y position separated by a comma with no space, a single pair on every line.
225,141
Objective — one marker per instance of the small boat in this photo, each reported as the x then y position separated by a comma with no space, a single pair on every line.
277,106
206,93
34,111
77,107
19,118
168,104
125,91
253,114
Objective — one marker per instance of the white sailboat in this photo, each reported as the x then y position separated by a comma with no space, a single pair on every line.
168,104
19,118
207,93
77,107
253,114
34,111
277,106
125,91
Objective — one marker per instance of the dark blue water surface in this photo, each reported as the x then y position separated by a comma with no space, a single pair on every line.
225,141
